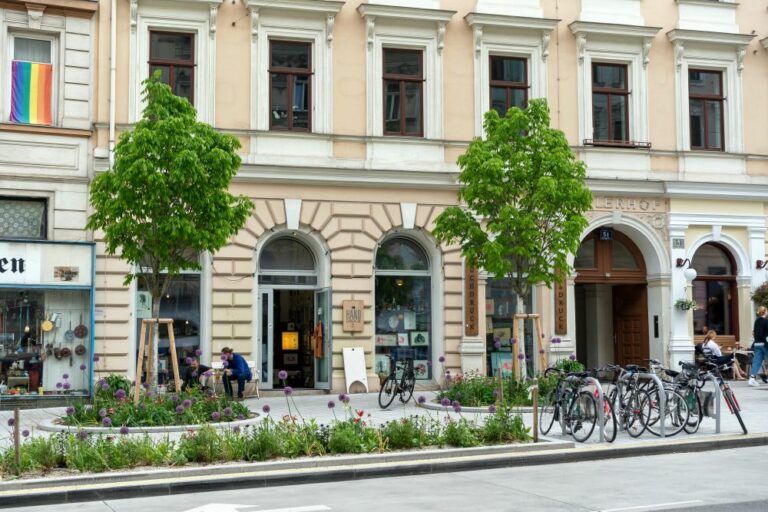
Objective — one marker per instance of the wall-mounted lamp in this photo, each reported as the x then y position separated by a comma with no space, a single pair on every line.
683,262
689,273
760,264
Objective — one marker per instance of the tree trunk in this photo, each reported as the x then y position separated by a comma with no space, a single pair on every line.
155,343
521,339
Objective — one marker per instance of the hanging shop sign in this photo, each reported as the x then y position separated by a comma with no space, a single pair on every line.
40,263
561,308
471,327
353,318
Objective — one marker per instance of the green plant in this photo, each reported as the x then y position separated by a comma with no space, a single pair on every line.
203,445
352,437
461,433
760,295
685,304
472,389
503,426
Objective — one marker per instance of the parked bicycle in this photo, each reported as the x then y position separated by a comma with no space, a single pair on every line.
400,381
629,402
712,370
570,402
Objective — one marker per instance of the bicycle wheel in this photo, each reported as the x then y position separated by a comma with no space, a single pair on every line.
610,424
635,412
733,404
582,416
695,410
675,414
388,391
409,382
548,409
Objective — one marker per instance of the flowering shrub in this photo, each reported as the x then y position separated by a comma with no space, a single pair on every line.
472,389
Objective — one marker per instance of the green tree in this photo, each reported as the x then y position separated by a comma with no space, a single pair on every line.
166,199
523,195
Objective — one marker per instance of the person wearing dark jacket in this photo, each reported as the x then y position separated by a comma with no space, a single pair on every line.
760,335
235,368
193,375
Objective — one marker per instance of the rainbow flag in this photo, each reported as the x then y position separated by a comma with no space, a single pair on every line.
31,92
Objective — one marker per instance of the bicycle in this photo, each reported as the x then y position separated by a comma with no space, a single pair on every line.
715,371
629,402
569,399
685,382
393,385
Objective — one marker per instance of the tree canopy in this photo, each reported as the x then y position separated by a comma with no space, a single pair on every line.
167,198
523,196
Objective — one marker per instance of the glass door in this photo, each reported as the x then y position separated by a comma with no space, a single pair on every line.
266,337
322,348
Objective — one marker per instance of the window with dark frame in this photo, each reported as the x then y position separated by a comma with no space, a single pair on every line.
173,54
508,82
610,103
705,100
24,218
290,93
403,92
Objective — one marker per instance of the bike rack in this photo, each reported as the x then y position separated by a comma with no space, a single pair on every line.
662,400
718,401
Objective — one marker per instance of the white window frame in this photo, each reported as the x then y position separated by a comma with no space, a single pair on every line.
191,16
509,36
409,29
55,81
614,44
694,49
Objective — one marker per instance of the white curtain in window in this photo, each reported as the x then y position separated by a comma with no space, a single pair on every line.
21,219
32,50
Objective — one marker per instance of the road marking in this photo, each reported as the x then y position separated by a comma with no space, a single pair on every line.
228,507
311,508
641,507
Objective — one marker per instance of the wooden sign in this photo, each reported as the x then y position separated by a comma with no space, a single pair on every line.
561,308
471,302
353,318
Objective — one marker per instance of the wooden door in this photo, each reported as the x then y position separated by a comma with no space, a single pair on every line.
630,324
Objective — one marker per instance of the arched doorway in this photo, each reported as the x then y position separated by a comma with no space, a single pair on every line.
714,290
611,300
294,316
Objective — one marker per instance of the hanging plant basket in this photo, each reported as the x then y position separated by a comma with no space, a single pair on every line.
685,304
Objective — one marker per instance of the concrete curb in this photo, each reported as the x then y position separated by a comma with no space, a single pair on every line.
51,425
302,471
432,406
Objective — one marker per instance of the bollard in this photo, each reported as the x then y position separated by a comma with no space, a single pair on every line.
17,440
535,400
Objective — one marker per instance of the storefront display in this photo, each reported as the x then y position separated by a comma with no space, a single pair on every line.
501,342
46,313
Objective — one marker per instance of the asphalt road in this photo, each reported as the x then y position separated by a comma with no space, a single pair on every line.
714,481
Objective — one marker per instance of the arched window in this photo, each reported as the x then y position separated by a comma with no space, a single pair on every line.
287,261
608,255
714,290
403,305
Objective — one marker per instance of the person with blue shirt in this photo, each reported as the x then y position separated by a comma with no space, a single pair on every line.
235,369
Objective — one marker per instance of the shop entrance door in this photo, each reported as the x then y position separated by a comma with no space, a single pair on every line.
630,306
322,347
266,335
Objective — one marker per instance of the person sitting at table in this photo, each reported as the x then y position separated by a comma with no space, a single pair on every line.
193,375
236,369
717,356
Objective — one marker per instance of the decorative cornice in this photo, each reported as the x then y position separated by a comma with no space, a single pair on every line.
709,3
35,15
405,13
213,14
581,46
477,30
592,28
330,21
254,11
315,6
707,37
679,52
134,15
647,42
513,22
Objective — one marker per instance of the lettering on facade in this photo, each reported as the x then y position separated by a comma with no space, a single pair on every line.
629,204
12,265
352,313
471,327
678,243
561,308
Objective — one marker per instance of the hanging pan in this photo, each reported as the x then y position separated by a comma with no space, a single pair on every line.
80,349
69,336
46,325
81,331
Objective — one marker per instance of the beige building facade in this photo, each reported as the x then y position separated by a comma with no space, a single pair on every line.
351,116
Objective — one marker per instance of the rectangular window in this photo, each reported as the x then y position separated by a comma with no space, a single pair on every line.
705,96
403,92
31,81
173,54
290,73
610,102
23,218
509,83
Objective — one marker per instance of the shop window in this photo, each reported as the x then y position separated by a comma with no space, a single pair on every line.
610,101
290,72
403,306
509,83
23,218
714,290
403,92
705,96
182,304
44,342
500,307
173,54
286,261
32,80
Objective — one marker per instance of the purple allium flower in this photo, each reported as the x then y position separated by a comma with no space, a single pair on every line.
102,412
492,409
224,364
497,344
25,433
106,421
455,403
174,397
58,385
145,385
227,411
288,390
82,435
223,357
180,409
198,352
572,357
11,422
496,393
331,404
541,351
520,356
150,394
83,367
445,402
497,339
186,403
344,398
441,359
421,399
65,376
70,410
236,429
66,385
120,394
512,341
188,360
104,386
457,408
241,417
282,375
215,416
210,392
95,358
208,373
266,408
124,430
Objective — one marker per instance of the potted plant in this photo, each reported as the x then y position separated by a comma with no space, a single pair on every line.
685,304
